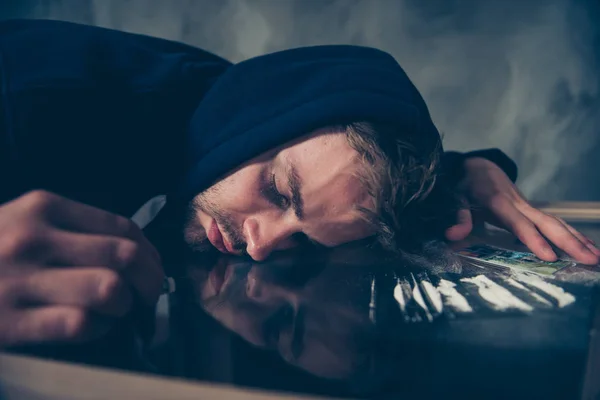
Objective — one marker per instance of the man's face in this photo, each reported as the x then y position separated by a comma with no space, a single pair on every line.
305,191
319,323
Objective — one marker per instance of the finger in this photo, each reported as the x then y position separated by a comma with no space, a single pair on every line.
556,232
524,229
72,215
50,324
563,238
122,255
95,289
582,238
463,227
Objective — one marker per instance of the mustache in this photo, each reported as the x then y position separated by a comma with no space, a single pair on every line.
233,233
234,294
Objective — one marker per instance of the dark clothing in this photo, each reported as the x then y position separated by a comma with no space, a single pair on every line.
281,96
112,118
94,114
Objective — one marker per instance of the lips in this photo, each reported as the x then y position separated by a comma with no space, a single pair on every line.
218,240
219,276
215,237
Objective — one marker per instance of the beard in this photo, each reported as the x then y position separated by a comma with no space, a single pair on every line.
194,233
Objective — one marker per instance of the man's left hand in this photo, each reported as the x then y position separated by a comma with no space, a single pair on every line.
492,195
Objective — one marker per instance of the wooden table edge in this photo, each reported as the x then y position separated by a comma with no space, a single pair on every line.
28,378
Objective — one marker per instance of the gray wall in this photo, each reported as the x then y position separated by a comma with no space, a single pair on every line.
521,75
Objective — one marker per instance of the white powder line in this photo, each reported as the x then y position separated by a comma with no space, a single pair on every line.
562,297
452,297
536,296
433,296
416,292
407,292
373,302
399,296
499,297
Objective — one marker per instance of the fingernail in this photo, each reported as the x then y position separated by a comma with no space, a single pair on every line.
550,253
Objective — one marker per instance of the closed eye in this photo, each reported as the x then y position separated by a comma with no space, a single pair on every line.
272,193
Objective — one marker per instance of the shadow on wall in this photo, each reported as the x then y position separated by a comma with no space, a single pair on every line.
518,75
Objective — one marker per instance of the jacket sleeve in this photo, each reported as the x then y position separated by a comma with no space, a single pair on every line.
95,114
453,163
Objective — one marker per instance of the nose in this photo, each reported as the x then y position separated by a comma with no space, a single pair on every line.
265,235
255,290
262,290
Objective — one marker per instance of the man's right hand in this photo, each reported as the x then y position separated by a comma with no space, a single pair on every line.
67,270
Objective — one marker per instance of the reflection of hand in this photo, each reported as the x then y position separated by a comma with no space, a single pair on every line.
492,195
66,269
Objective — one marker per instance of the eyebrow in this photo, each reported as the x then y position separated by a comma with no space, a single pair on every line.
295,186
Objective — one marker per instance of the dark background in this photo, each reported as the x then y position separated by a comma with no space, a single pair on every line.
518,75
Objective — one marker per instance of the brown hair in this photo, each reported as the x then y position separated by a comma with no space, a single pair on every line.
414,200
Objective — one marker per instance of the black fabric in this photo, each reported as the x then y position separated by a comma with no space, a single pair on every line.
266,101
106,117
453,162
94,114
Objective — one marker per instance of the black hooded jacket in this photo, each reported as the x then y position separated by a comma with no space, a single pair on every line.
113,119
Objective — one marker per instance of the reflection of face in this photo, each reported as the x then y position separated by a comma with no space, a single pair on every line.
320,326
304,191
